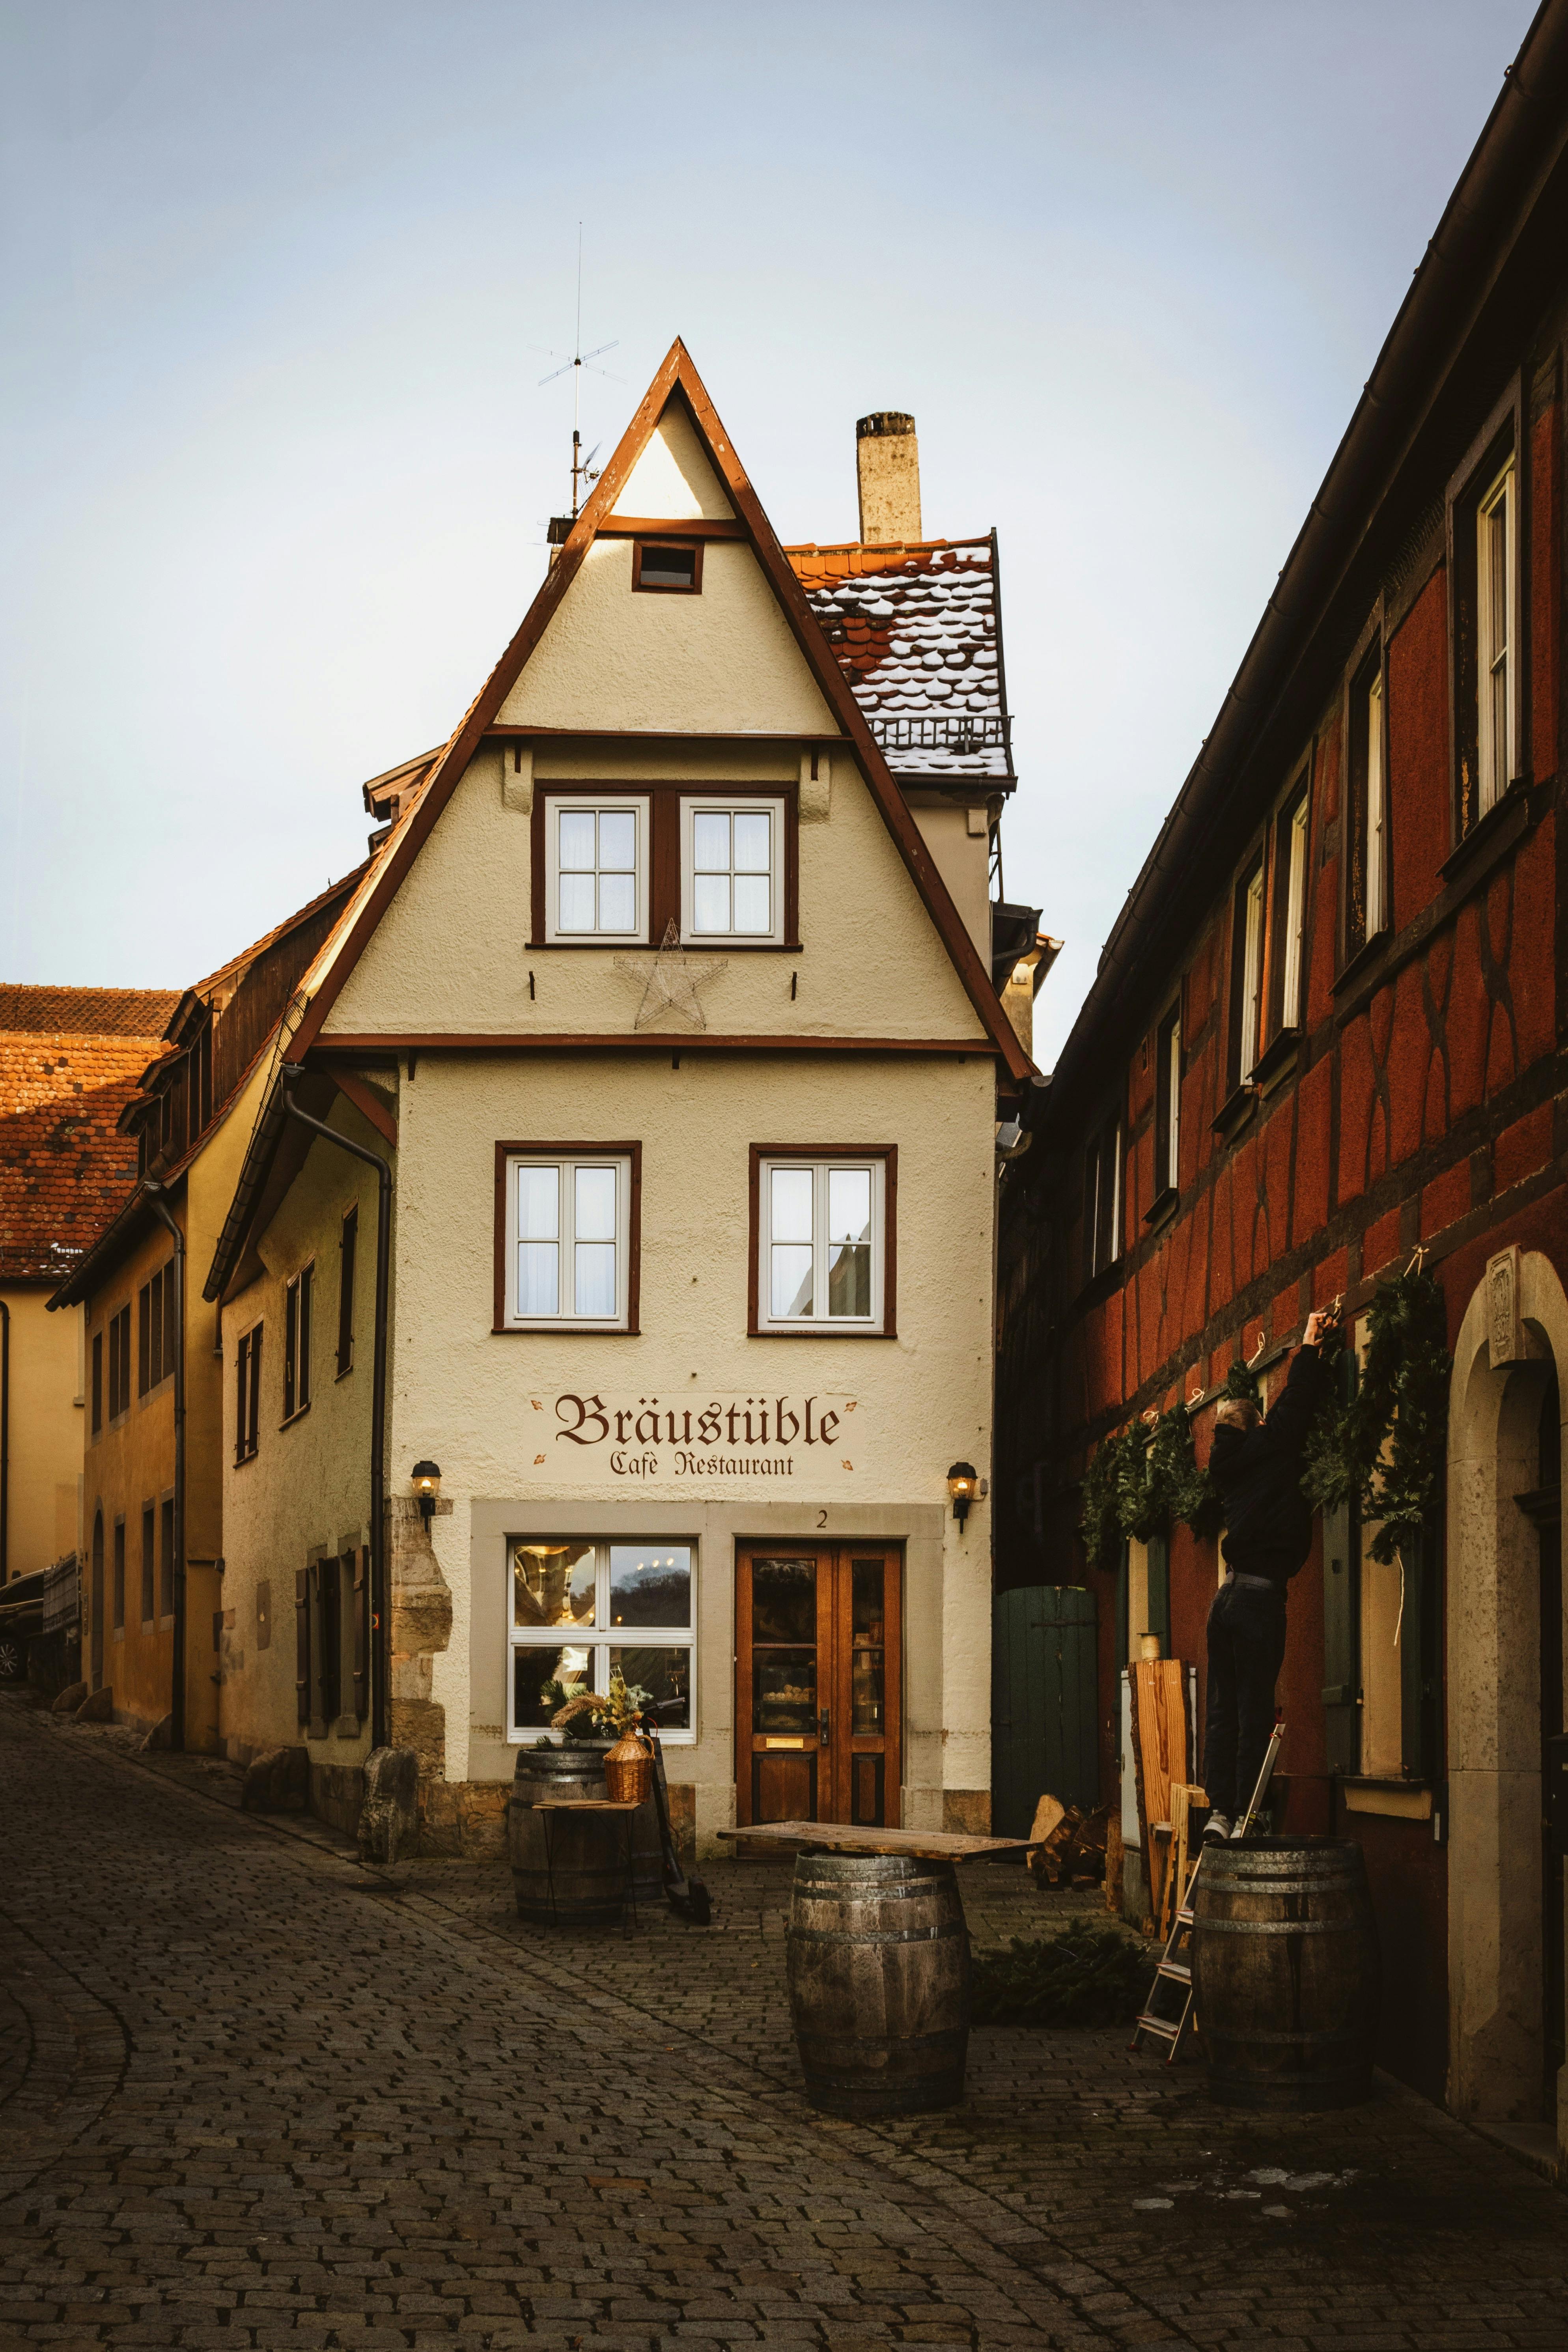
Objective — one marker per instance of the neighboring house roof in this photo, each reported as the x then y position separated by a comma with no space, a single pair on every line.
917,631
142,1013
64,1081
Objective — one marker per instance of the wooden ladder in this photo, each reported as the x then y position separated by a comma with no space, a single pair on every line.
1173,1976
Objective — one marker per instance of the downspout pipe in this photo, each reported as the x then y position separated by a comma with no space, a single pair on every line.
157,1200
380,1603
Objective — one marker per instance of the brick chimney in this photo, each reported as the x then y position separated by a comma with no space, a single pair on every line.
887,459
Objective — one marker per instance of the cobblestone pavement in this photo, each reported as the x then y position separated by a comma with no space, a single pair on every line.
252,2094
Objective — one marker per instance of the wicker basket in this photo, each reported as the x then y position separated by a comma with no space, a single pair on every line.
628,1771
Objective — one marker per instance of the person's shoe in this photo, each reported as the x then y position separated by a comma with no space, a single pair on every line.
1238,1829
1218,1829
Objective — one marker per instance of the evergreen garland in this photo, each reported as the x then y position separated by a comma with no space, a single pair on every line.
1384,1447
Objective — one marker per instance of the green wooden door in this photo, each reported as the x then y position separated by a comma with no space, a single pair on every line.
1044,1703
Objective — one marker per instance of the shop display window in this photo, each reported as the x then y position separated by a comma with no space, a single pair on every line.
579,1610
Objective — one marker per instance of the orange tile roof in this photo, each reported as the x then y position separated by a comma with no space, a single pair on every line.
63,1165
142,1013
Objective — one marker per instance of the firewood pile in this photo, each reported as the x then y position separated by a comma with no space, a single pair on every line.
1070,1845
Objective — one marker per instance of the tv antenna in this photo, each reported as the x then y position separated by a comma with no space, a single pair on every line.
583,471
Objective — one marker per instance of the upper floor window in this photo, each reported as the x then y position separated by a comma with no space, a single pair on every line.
822,1242
119,1362
1366,873
596,877
348,1247
1168,1105
96,1382
247,1394
1102,1199
1247,975
568,1241
731,869
298,1298
674,566
1289,953
1496,667
156,1331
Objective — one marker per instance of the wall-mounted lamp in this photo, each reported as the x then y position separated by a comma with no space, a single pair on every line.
426,1478
962,1485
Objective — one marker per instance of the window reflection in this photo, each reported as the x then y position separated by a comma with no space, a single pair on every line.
552,1584
650,1584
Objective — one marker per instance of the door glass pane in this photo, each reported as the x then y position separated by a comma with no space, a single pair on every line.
650,1584
552,1584
595,1278
783,1601
596,1204
539,1278
662,1678
783,1691
544,1678
538,1204
710,841
868,1652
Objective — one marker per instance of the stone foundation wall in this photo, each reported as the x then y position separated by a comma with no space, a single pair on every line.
337,1792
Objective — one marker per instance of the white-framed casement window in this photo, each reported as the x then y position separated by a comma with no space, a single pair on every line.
577,1609
732,870
1293,850
567,1244
1251,974
596,867
1495,633
822,1245
1168,1105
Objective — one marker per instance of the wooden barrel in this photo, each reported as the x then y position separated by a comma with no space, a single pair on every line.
1285,1976
878,1983
588,1849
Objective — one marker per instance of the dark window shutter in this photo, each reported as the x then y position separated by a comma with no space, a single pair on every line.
1417,1660
1158,1578
346,1293
96,1382
302,1644
360,1560
143,1337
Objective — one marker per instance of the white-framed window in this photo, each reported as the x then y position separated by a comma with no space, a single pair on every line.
732,870
568,1241
1251,973
1294,846
822,1245
1495,635
1376,812
596,867
1168,1105
578,1608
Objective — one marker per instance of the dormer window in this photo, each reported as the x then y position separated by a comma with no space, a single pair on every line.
672,566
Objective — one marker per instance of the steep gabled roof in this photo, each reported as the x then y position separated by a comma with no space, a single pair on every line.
917,630
64,1081
677,380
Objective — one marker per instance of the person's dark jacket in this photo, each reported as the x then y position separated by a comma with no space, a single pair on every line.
1268,1520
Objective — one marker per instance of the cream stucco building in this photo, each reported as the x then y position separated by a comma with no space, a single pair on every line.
659,1050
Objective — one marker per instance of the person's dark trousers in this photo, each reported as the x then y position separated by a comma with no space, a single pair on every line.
1247,1650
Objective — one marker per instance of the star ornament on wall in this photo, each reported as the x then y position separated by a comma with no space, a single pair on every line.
670,979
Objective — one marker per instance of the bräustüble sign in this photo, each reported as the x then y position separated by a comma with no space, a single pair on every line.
740,1437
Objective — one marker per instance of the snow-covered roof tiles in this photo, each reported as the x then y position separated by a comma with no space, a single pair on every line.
917,631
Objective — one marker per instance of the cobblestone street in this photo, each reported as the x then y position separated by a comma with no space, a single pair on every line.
255,2094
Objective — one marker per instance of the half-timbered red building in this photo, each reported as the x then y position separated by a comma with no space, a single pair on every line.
1327,1033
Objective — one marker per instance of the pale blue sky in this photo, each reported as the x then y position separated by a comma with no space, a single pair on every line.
274,461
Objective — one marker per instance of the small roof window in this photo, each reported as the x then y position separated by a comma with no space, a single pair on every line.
670,565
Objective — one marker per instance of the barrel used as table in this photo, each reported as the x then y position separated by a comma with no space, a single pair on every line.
1286,1974
878,1982
587,1852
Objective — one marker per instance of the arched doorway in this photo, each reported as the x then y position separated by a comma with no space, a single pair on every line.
1505,1686
97,1600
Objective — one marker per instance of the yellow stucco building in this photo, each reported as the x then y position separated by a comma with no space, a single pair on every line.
659,1052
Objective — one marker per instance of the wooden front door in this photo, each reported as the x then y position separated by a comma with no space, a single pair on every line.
819,1686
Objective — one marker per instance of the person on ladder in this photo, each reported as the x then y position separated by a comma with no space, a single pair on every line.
1256,1463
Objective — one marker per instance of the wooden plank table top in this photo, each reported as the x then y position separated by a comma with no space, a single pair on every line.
844,1837
584,1805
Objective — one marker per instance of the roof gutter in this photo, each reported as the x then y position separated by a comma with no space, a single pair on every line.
1523,134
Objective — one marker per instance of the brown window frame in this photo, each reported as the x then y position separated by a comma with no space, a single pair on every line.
665,891
692,546
1502,436
149,1564
98,1384
299,1314
117,1618
166,1557
119,1362
1167,1180
886,1152
569,1327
